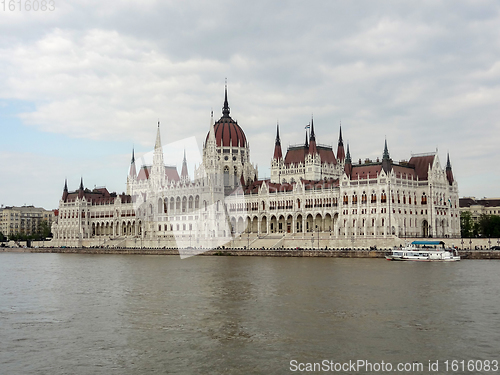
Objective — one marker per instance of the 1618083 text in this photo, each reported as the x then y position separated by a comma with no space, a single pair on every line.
28,5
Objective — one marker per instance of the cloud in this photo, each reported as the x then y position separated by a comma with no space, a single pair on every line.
424,76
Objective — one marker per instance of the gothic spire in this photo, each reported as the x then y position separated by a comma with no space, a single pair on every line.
449,172
80,189
184,171
312,137
386,151
386,159
312,140
307,142
132,172
225,109
278,141
340,147
348,156
277,145
65,191
158,139
348,163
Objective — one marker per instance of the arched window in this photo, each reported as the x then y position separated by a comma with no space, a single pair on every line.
383,197
226,176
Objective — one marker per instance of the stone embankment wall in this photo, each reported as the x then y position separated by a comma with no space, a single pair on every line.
477,254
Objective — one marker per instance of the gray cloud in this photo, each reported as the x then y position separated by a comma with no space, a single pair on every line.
423,75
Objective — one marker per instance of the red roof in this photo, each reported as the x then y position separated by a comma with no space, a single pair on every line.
296,155
170,173
421,164
144,173
228,133
404,172
365,171
327,155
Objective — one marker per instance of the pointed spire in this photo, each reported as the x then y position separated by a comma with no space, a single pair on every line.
449,172
211,131
348,163
132,172
386,159
312,140
386,151
65,190
340,147
184,172
80,189
158,139
312,137
307,142
277,145
225,109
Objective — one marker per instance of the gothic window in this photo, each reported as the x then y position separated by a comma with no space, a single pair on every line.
226,176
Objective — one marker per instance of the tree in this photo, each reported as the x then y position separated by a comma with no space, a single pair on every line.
466,225
489,226
44,229
2,237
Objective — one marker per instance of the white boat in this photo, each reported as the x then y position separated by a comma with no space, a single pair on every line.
424,251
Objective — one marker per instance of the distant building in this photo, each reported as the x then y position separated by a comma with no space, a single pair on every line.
478,207
23,220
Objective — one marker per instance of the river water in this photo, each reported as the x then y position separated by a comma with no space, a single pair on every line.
114,314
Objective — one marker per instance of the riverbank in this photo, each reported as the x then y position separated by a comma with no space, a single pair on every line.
343,253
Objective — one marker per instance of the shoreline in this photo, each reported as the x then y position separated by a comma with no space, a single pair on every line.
330,253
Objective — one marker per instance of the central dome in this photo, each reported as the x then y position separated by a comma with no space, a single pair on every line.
227,131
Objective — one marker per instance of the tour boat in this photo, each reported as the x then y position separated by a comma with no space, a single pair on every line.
424,251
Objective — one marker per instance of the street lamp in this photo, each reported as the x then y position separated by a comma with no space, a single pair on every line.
312,241
317,230
462,244
470,244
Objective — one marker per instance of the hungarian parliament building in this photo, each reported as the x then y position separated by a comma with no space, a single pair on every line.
315,197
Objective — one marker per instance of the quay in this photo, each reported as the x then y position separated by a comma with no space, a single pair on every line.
326,253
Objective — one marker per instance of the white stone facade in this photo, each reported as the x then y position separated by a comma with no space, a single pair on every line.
306,194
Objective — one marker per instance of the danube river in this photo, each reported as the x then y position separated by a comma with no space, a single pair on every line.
128,314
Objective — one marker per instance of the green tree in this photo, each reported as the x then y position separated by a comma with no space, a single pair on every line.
2,237
489,226
44,229
466,225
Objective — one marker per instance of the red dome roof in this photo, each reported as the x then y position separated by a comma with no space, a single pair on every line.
227,131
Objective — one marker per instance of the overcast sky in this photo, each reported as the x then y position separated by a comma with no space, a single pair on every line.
81,85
